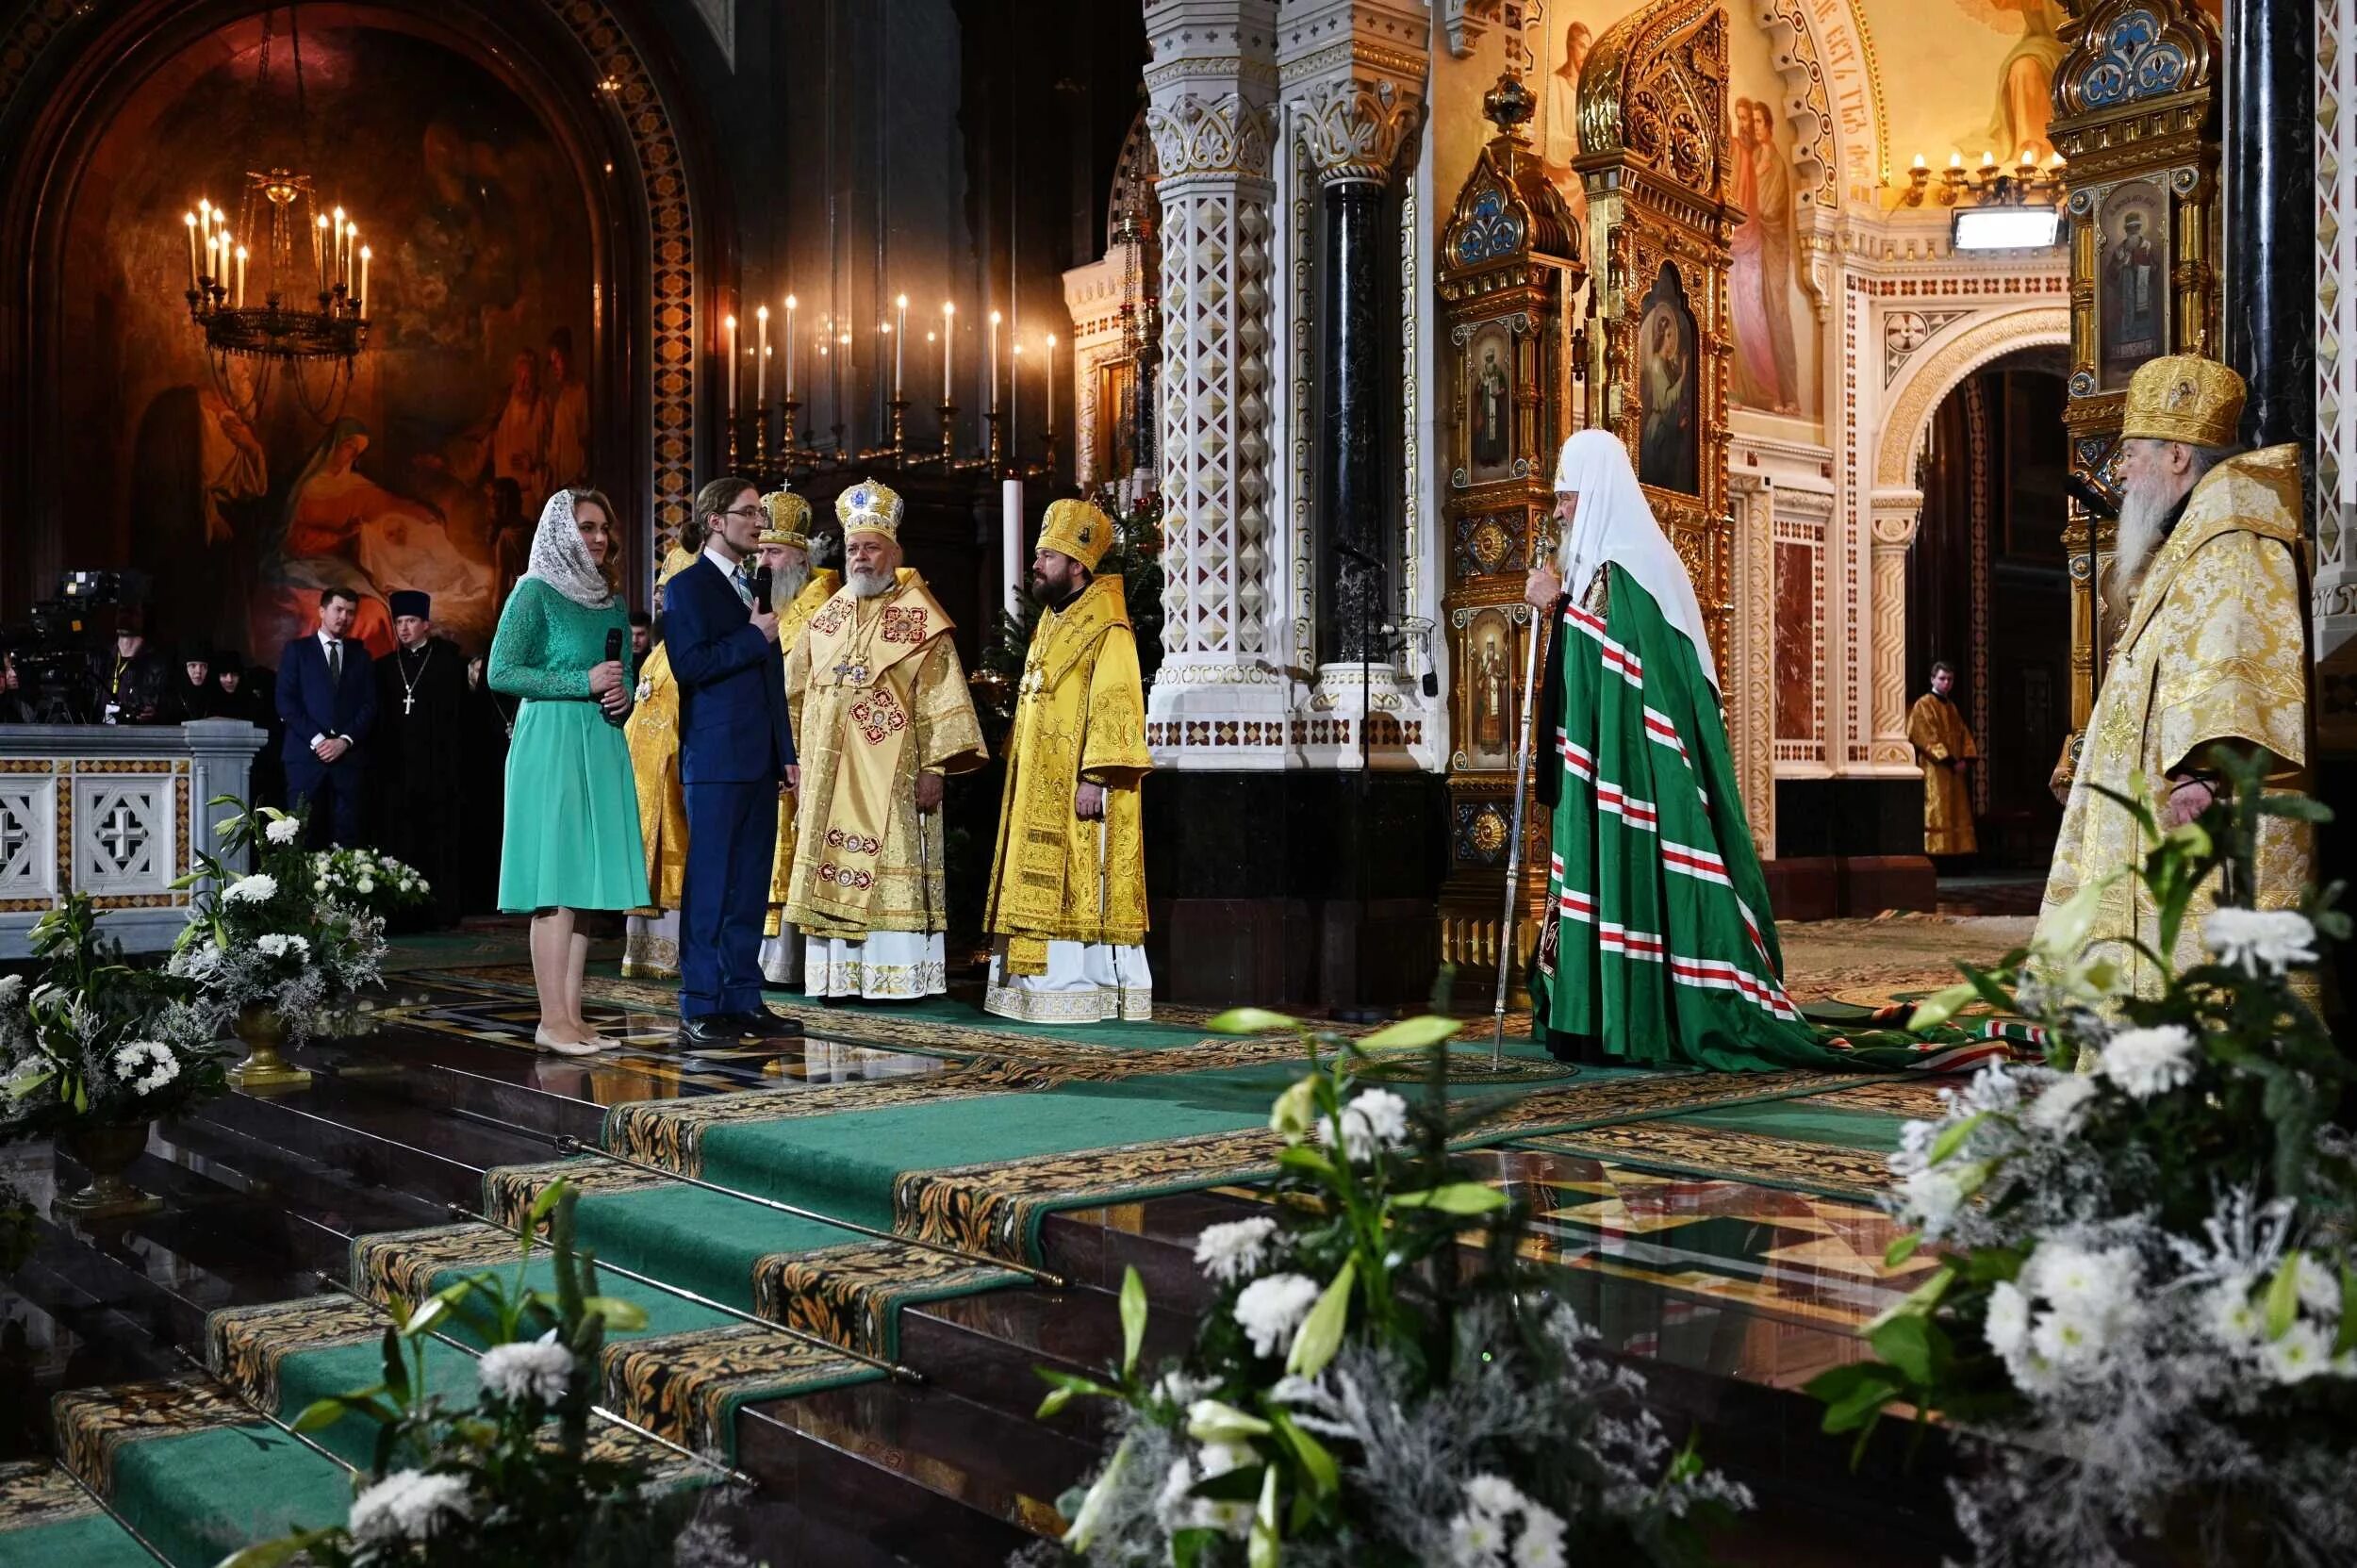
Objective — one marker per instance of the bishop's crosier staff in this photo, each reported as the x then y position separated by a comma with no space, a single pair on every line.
1522,790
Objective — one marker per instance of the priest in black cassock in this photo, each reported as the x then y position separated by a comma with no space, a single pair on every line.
418,748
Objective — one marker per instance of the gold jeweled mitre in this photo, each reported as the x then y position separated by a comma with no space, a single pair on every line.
790,519
1078,529
2184,397
869,507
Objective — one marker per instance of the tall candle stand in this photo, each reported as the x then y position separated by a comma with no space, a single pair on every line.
762,470
949,435
734,450
893,450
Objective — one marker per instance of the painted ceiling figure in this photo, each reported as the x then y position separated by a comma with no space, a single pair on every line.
2025,77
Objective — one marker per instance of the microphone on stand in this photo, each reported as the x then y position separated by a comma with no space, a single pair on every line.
2095,497
761,590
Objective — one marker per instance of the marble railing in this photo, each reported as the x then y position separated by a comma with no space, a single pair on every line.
118,812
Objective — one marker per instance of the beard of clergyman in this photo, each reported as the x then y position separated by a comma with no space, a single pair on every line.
788,581
2146,516
870,583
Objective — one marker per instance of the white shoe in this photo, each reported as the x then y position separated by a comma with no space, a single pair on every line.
590,1046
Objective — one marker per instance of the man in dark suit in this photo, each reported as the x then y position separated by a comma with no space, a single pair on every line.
327,696
737,755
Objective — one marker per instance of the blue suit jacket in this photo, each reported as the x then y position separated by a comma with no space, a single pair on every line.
313,705
733,723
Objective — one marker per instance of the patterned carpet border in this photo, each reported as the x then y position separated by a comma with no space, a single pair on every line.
33,1492
1728,1154
94,1425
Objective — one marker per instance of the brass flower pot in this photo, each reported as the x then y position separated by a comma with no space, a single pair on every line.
263,1072
106,1153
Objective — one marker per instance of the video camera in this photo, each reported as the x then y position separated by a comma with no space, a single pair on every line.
54,658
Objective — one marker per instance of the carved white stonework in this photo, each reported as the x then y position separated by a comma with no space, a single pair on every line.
1751,701
122,835
1463,22
1354,128
1896,516
116,812
1220,698
2333,604
29,838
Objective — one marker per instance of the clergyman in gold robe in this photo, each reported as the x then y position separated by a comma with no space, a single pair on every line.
1943,744
1067,911
882,716
797,591
650,939
2213,651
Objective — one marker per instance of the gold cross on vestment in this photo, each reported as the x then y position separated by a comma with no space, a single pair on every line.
857,673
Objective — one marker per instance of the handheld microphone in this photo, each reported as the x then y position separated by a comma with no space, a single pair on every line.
761,589
2093,496
613,655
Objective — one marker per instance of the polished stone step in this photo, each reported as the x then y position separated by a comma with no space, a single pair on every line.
990,1349
923,1472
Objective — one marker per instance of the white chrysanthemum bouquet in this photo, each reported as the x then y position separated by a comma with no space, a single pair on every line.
363,879
274,937
1368,1390
2146,1304
88,1041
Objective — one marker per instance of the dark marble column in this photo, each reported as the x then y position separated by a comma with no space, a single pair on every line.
1351,424
2269,173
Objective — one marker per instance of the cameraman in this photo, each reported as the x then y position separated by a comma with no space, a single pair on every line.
131,681
11,693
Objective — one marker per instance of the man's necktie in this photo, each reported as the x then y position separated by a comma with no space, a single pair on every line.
335,661
744,579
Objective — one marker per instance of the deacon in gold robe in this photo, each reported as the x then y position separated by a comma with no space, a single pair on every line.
883,715
1943,745
797,592
650,938
1067,888
2213,651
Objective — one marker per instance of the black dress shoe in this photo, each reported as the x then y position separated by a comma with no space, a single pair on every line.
764,1024
714,1029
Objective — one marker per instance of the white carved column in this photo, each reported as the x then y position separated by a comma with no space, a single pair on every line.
1220,699
1750,697
2334,594
1895,516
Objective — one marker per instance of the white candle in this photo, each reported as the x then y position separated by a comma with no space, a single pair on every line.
761,357
949,319
1010,544
335,244
319,251
995,319
364,275
899,340
191,220
1014,392
790,350
729,328
1051,384
242,277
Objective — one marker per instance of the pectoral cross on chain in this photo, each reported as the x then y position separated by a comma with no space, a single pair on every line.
856,672
409,702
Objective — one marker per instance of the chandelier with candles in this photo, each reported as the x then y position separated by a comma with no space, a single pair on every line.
284,286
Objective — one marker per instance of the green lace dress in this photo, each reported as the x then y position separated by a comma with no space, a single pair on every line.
571,835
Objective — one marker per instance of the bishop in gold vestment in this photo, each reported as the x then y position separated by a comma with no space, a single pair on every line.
2215,651
650,944
883,715
797,591
1943,745
1068,887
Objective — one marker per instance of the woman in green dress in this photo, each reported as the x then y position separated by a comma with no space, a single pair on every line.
571,841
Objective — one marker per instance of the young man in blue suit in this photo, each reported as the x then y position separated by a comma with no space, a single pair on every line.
737,756
327,696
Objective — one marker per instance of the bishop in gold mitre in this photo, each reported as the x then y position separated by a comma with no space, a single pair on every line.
1067,888
881,717
1943,744
650,940
797,591
2213,651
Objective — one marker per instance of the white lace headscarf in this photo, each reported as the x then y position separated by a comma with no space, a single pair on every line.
1615,525
562,561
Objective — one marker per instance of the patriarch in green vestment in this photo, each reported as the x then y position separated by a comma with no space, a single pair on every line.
1658,948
